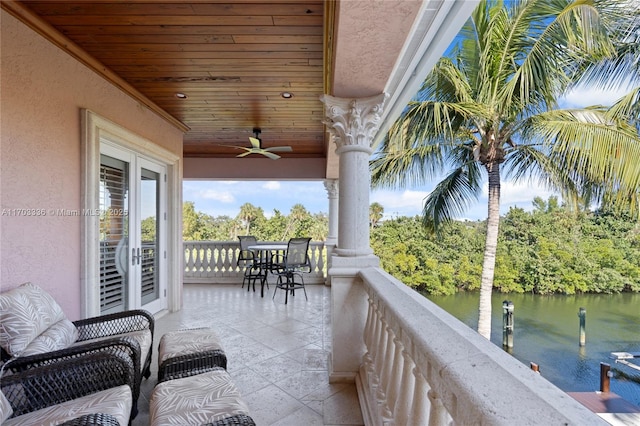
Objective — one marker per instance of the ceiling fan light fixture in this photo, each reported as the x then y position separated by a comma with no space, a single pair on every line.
181,95
286,95
256,147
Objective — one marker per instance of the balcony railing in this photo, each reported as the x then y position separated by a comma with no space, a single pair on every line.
422,366
215,262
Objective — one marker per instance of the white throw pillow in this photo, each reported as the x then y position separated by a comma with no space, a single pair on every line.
25,312
59,336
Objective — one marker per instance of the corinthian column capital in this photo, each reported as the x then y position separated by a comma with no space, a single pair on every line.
331,185
353,122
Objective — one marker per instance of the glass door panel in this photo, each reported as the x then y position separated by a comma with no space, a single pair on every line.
114,234
132,232
150,208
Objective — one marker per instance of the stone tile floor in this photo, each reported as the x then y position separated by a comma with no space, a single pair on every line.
277,354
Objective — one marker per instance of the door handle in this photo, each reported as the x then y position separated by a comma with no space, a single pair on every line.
135,257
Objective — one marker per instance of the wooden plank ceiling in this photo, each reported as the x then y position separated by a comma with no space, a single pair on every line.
232,59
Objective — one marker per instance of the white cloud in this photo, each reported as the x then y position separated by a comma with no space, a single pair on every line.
212,194
518,193
583,96
405,203
272,185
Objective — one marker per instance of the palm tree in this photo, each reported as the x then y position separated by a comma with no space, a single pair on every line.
375,213
489,109
297,214
248,213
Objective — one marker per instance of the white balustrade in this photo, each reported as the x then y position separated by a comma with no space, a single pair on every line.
215,262
422,366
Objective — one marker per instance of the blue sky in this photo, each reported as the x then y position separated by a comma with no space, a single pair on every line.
218,198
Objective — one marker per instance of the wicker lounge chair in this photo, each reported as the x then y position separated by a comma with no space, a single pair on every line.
92,388
34,331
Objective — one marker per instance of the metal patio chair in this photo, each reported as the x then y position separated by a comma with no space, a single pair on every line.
291,266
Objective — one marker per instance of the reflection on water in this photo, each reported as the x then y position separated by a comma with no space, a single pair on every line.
547,329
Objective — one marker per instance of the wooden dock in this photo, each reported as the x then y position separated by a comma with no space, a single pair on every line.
610,406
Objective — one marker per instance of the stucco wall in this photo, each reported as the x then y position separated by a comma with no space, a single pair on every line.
42,92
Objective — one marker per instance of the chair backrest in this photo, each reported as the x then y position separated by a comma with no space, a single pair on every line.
298,253
245,254
246,241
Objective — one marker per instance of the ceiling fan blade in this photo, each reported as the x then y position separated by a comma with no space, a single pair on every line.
279,149
244,154
255,142
270,155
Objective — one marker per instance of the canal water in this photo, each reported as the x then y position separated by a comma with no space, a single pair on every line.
547,329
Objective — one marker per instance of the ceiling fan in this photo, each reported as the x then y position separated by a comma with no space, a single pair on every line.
256,147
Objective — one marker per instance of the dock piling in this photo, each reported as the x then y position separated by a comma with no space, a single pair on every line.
605,377
582,314
507,324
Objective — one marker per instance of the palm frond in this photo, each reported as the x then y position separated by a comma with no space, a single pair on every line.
422,122
446,83
411,166
572,34
622,20
452,196
593,146
527,162
627,108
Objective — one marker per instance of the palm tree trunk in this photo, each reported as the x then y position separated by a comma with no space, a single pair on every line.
491,243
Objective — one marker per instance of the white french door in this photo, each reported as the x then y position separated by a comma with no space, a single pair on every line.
132,203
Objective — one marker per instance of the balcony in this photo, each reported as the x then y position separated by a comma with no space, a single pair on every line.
277,354
419,365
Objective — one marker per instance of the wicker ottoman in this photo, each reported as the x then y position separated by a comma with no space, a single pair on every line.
208,398
187,352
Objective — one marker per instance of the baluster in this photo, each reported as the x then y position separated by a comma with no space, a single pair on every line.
405,398
368,326
228,257
320,266
187,260
193,252
220,260
438,415
395,381
211,260
373,346
227,253
386,371
198,262
379,359
421,401
312,258
234,259
208,260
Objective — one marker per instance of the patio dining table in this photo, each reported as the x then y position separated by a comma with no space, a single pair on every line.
265,252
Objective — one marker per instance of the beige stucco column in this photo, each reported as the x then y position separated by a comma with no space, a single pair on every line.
353,124
331,185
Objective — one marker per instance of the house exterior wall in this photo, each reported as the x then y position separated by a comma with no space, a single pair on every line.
42,90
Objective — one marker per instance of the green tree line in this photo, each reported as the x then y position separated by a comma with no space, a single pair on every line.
548,250
251,220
